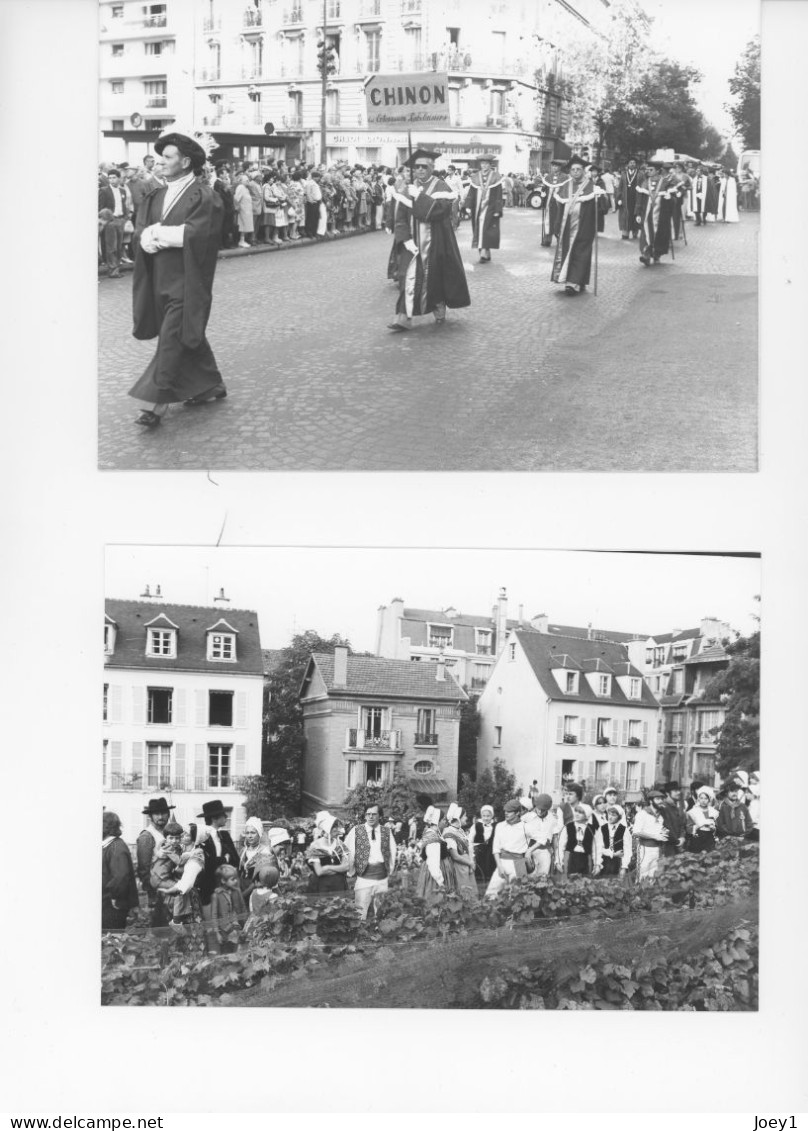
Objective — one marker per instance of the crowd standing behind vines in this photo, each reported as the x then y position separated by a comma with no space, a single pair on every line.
197,876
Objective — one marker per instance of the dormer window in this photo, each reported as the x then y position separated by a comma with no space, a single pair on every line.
161,642
571,683
483,641
635,688
222,642
604,685
440,635
109,637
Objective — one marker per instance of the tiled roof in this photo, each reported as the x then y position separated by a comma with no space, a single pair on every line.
712,655
673,700
402,679
562,660
594,635
542,651
131,618
598,665
673,637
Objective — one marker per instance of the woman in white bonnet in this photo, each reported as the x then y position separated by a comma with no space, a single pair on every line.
254,855
701,821
460,864
433,873
327,857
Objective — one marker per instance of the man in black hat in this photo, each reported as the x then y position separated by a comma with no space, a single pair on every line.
484,200
627,200
428,264
654,214
179,231
150,839
674,819
582,201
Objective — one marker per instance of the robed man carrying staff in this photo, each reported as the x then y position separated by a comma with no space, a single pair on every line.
582,201
429,267
484,199
179,228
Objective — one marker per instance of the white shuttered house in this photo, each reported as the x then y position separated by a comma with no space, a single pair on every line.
562,708
182,708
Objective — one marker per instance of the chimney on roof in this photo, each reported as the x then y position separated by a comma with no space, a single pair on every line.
541,622
712,626
147,595
589,631
501,619
340,666
440,670
521,613
221,599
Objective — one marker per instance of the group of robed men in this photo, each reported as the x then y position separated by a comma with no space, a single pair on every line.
179,228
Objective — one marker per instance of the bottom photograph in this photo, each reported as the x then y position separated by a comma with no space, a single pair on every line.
430,779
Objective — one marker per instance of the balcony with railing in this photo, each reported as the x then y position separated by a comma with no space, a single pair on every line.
478,683
211,24
156,100
210,74
370,9
158,19
411,7
253,20
294,69
292,122
571,739
357,739
183,783
674,736
293,15
252,71
704,738
423,738
439,640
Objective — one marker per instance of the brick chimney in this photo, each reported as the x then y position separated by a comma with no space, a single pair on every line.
501,613
541,622
340,666
440,670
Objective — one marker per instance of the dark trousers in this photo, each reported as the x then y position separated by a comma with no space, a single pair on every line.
113,918
113,242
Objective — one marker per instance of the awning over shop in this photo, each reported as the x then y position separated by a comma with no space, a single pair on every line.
432,787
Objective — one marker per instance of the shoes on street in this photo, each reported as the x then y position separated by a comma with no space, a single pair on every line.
571,291
126,259
215,393
113,274
148,419
399,326
242,243
645,260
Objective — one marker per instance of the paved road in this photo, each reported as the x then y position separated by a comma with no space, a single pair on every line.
656,373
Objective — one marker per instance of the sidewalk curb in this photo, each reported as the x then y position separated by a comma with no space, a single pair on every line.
262,248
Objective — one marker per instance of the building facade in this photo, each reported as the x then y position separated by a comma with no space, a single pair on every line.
256,70
562,708
145,76
366,718
183,689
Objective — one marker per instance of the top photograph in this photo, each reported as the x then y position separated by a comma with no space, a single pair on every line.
429,235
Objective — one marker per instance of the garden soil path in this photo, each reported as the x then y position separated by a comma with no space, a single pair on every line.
439,974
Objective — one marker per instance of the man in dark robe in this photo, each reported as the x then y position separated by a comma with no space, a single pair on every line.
179,230
698,195
679,191
654,211
582,201
554,209
484,200
712,194
429,267
627,200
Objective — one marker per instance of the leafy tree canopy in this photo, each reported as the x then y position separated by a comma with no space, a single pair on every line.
738,688
744,86
494,786
467,742
396,798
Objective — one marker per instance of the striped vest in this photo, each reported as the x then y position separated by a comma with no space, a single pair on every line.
362,848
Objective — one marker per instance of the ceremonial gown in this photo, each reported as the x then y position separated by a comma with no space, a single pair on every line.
627,203
484,199
655,206
555,207
728,200
573,255
711,197
172,293
435,274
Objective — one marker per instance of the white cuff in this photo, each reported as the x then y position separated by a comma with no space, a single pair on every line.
170,235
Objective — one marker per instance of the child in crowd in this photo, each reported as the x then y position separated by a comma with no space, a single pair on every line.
167,867
577,840
227,908
613,843
263,894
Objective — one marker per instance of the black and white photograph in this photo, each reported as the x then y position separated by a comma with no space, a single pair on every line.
444,799
515,236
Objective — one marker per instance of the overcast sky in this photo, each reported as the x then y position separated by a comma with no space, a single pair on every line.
339,590
711,35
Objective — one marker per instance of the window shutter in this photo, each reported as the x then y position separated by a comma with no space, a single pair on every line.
624,774
241,761
642,773
137,759
241,708
645,734
560,730
624,741
557,781
180,707
115,699
139,706
201,698
200,777
179,767
115,764
613,773
590,774
593,732
615,732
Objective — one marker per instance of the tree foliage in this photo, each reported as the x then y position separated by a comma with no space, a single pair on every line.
467,742
258,799
744,86
494,786
738,688
283,745
395,798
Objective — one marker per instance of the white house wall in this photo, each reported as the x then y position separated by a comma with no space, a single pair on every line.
126,733
514,701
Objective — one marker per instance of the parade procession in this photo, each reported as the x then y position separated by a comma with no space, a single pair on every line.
479,201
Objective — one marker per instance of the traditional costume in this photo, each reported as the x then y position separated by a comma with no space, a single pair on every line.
460,875
612,848
484,200
582,201
655,209
434,875
510,849
372,855
429,267
483,844
178,236
728,199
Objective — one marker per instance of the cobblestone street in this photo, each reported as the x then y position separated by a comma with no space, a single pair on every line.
657,373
